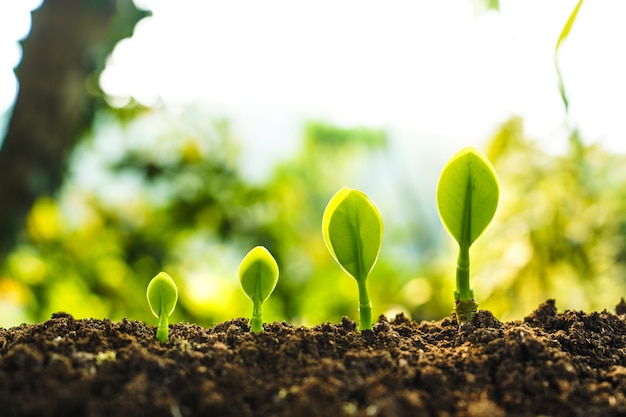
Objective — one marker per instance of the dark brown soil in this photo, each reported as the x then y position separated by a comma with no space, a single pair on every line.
569,364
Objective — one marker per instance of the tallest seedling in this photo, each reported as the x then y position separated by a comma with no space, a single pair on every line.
467,199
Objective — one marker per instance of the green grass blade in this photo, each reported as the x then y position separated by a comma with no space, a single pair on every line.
564,34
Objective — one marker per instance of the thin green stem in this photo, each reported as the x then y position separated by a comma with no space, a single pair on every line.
256,324
162,328
365,306
465,305
463,290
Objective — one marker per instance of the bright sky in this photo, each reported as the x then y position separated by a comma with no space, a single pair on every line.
434,67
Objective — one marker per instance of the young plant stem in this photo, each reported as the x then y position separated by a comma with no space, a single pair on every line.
256,323
365,307
465,305
162,327
463,291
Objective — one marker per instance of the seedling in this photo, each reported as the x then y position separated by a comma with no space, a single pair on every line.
258,274
467,198
353,230
162,295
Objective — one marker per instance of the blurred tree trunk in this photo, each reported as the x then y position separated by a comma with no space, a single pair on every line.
58,95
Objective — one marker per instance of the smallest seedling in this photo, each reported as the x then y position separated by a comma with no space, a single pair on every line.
258,274
162,296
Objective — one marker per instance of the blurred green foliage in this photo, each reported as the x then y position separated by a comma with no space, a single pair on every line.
164,191
560,232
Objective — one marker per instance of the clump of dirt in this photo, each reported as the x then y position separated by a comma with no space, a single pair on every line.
568,364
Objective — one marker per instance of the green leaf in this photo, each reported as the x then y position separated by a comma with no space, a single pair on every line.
352,230
162,295
568,25
564,34
258,274
467,195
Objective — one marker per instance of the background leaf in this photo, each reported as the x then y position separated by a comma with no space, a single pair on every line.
564,34
352,230
258,274
467,195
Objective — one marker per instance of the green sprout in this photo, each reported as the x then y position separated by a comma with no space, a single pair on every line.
162,295
353,230
467,199
258,274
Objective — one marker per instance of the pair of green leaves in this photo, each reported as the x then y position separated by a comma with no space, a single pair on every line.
258,275
352,229
162,296
467,199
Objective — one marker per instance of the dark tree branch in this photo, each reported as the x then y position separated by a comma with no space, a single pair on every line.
63,56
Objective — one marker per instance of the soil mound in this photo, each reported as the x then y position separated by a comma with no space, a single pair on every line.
553,364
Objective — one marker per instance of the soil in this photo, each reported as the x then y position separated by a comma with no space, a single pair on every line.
549,364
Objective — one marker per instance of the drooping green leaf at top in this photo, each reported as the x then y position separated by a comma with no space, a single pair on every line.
352,230
564,34
467,195
258,275
162,296
568,25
